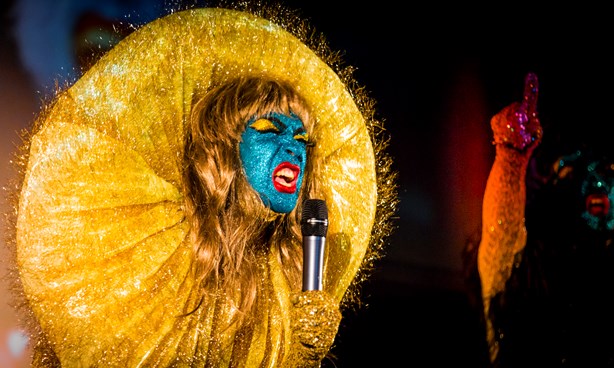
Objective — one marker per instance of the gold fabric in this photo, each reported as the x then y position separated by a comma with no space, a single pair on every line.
101,243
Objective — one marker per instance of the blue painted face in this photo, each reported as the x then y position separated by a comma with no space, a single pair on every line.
273,152
598,191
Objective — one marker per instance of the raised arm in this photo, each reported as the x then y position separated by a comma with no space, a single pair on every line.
516,131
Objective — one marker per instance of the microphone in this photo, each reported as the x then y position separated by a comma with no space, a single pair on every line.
314,224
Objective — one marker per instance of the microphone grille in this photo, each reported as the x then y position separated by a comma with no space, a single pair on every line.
314,218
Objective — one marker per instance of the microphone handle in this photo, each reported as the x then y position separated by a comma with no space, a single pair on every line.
313,259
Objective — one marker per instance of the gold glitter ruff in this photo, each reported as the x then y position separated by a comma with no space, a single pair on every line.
102,253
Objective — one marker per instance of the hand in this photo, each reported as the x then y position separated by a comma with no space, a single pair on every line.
315,322
517,125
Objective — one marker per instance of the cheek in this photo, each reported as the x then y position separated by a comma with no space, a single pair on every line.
263,149
256,158
302,152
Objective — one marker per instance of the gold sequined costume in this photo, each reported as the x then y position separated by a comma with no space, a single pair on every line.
100,234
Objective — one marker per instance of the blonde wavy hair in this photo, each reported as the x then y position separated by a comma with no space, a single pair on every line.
231,229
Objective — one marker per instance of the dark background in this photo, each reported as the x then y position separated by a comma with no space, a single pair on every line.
437,73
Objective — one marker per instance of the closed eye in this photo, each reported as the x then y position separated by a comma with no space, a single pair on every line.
264,126
303,137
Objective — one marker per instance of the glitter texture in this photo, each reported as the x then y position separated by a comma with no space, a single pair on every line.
100,236
517,132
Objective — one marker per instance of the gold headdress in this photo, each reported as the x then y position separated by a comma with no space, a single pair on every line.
100,236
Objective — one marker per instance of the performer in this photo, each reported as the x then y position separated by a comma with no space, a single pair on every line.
157,222
545,257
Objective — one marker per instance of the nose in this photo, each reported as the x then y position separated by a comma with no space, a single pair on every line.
295,154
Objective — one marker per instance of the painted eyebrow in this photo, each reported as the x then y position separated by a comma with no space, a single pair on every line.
278,122
283,126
